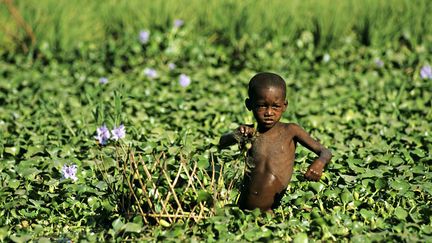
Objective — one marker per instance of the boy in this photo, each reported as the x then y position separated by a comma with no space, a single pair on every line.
270,159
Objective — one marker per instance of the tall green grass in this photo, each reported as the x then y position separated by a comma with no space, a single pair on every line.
64,24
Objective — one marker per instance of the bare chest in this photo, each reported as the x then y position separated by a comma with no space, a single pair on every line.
272,149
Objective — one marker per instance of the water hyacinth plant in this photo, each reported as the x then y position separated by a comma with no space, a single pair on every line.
103,80
144,36
118,132
103,134
150,73
178,23
426,72
69,172
171,66
184,80
378,63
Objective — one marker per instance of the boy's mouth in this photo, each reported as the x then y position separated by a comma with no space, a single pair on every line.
268,121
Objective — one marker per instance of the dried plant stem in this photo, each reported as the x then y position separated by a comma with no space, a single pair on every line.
149,177
143,188
136,198
175,182
172,190
187,177
184,215
20,21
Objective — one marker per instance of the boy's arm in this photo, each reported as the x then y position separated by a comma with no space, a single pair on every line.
315,170
234,137
227,139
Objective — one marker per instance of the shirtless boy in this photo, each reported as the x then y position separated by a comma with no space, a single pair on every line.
270,159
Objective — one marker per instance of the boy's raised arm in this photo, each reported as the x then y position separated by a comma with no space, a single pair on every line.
227,139
315,170
234,137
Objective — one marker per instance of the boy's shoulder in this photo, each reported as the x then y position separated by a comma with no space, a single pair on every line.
291,127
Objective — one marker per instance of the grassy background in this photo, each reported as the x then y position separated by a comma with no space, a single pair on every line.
64,24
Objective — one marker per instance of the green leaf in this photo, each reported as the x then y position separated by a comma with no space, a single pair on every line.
3,232
400,213
316,186
14,184
367,214
28,172
427,187
173,150
301,238
117,225
368,173
420,153
203,196
348,178
132,227
44,240
32,150
400,185
251,235
346,196
427,229
93,202
12,150
395,161
22,238
203,163
380,184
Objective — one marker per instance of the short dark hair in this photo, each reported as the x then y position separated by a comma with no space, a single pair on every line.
263,80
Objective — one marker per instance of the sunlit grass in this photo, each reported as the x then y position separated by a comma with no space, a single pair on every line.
64,24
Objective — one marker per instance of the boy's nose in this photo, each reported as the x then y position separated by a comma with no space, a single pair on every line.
268,112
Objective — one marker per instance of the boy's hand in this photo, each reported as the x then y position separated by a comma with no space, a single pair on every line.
315,170
246,131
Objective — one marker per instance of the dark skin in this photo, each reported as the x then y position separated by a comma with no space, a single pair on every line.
272,153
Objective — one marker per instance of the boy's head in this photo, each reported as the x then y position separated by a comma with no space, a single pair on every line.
264,80
267,93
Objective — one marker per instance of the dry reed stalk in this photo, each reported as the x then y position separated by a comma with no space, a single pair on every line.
149,177
190,182
21,22
185,215
168,204
172,189
136,198
143,188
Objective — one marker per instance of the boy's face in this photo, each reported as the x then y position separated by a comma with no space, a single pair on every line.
267,105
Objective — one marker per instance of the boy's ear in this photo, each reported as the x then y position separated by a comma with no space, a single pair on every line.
285,105
248,104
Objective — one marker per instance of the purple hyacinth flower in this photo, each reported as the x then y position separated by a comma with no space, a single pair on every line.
103,80
144,36
379,63
184,80
426,72
178,23
150,73
103,134
118,132
171,66
69,172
